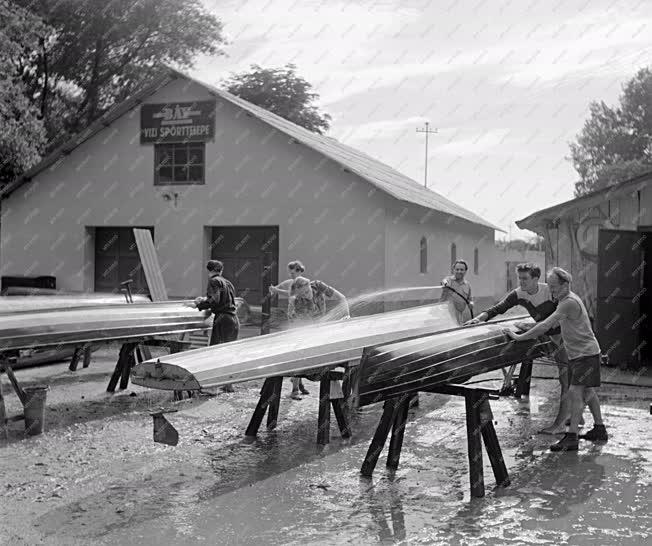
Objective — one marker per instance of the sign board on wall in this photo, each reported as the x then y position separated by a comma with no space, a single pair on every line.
177,122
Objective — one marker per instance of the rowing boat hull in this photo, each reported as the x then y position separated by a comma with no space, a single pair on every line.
448,357
288,353
16,304
59,327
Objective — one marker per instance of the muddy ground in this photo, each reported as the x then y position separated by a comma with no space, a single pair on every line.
96,476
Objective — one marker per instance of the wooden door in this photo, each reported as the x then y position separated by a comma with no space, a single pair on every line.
620,290
117,260
247,253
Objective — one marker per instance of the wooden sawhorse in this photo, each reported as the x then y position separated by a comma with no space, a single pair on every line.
270,399
479,428
136,349
520,385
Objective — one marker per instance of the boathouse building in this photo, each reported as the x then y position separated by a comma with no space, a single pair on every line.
213,176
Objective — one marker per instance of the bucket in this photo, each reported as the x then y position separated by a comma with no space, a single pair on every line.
35,409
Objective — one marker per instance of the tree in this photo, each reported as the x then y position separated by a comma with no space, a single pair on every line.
22,136
616,143
101,52
281,91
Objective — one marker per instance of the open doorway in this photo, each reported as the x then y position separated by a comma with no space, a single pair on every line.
624,298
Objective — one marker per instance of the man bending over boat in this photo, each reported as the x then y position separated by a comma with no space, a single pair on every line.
537,299
457,290
220,299
296,315
583,353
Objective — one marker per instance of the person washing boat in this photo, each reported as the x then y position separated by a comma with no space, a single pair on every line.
220,299
583,356
322,291
457,290
301,309
537,299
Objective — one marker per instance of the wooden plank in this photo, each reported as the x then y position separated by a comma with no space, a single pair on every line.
3,414
524,379
266,394
474,439
339,408
274,402
398,432
380,436
324,418
74,361
151,267
493,449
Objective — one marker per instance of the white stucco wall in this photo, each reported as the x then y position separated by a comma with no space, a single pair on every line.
254,176
345,231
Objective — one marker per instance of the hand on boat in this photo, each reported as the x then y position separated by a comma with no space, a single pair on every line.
511,333
471,321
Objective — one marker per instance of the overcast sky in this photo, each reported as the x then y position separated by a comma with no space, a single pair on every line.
507,83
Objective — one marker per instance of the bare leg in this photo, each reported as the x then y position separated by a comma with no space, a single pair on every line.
570,441
559,424
591,400
295,388
576,395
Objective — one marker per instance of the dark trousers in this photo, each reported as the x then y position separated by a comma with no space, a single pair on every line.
225,328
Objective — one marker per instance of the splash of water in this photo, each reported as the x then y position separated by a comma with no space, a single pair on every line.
388,299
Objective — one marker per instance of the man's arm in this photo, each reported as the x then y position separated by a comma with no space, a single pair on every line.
283,288
341,299
213,296
564,309
509,301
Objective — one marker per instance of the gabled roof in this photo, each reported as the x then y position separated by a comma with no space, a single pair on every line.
377,173
556,212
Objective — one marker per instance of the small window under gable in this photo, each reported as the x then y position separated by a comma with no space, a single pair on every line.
453,253
179,163
423,255
476,260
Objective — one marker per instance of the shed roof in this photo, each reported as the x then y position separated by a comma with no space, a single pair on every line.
556,212
377,173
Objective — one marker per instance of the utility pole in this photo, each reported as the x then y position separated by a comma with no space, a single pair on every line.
427,131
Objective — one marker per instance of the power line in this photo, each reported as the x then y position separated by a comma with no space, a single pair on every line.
427,131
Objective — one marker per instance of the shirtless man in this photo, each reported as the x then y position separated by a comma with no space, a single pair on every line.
583,353
537,299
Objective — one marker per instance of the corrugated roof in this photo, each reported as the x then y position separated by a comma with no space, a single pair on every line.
377,173
556,212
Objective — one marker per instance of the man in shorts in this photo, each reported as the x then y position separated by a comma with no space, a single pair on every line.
583,353
536,298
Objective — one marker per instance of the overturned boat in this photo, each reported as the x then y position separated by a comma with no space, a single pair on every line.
453,356
76,326
292,352
20,303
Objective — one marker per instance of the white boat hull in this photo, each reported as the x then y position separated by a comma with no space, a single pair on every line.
288,353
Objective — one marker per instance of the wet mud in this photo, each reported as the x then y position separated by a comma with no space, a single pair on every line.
96,476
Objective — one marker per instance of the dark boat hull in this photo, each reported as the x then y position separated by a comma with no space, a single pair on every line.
447,357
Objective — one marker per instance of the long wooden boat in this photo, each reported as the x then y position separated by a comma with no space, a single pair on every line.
447,357
290,352
19,303
59,327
